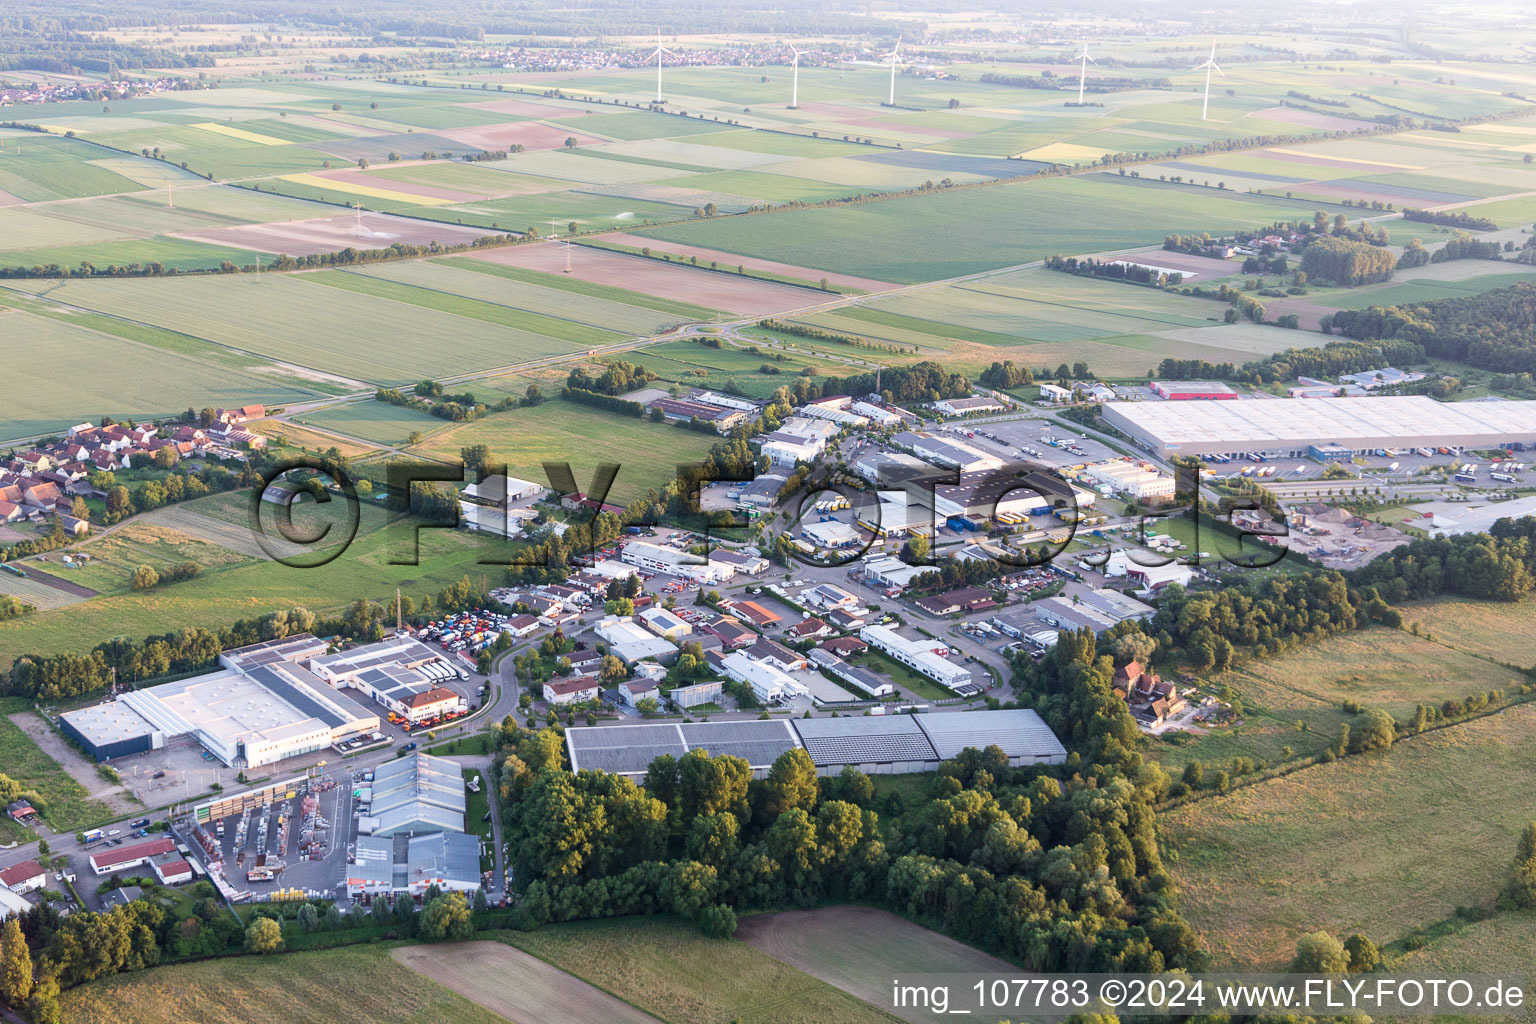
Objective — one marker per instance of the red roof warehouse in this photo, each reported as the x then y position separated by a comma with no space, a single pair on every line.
130,856
1187,390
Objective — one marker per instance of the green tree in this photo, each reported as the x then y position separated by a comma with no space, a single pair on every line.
718,921
791,783
447,918
1363,954
264,936
15,964
1521,890
309,918
145,577
1373,729
1319,953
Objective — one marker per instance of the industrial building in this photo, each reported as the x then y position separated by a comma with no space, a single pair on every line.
1192,390
401,673
409,865
696,694
966,406
919,654
1131,479
949,452
893,572
123,857
877,744
629,642
1289,427
676,562
500,490
665,623
264,706
413,795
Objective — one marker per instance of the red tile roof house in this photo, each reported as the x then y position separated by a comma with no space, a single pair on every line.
807,629
40,495
24,877
844,646
10,512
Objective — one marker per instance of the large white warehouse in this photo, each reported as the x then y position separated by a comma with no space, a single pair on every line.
1288,427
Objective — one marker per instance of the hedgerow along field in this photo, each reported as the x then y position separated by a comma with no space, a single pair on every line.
354,983
1423,828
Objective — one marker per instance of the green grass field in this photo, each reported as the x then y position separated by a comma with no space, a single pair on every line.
286,317
648,453
1423,828
1389,669
374,421
1495,630
115,557
69,805
356,983
557,328
914,239
75,371
553,309
38,168
668,969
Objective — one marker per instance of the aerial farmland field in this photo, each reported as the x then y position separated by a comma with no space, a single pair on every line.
335,983
905,240
79,372
524,439
309,325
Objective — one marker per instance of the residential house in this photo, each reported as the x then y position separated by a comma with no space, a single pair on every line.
24,877
808,629
573,690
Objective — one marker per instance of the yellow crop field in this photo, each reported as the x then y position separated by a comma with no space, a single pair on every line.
1063,152
352,187
240,133
1331,158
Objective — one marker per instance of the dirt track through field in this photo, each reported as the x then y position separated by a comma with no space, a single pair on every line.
860,949
516,985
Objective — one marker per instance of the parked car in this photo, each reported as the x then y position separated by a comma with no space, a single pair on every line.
138,824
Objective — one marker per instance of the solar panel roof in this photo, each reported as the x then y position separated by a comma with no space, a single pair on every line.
873,740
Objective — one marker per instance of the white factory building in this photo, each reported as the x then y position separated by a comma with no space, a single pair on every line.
629,641
769,683
1289,427
675,562
947,452
402,673
265,705
919,654
1132,479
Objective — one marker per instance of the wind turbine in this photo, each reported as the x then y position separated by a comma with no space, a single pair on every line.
794,93
894,55
1209,65
658,54
1082,74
